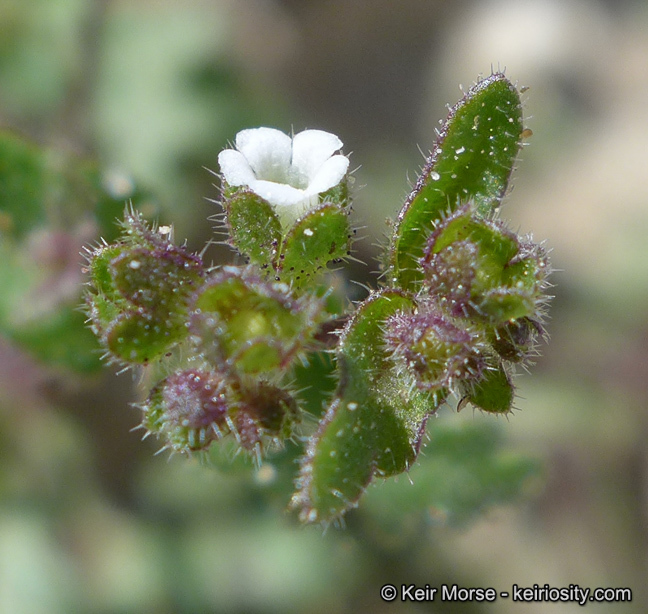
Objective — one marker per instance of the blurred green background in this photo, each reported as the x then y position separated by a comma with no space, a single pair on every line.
105,100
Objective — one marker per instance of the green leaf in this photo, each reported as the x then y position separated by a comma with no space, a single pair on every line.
138,298
374,424
255,229
140,336
496,246
100,273
503,304
493,393
158,280
102,311
321,236
471,161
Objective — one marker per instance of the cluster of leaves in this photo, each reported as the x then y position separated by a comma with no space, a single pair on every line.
461,305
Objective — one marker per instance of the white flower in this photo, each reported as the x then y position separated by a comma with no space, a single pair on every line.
290,173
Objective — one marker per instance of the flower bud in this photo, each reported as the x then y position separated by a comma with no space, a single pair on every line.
241,321
191,409
435,350
476,268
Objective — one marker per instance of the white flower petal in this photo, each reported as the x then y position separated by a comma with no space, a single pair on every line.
268,152
278,194
235,168
288,173
330,173
289,203
311,148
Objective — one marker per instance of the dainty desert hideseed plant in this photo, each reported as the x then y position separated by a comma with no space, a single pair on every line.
460,306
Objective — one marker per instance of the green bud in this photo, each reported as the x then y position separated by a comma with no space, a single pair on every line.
188,409
515,340
256,326
263,412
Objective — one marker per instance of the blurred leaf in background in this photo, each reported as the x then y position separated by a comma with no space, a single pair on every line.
51,205
41,53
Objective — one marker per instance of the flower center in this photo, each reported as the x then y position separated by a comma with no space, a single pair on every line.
280,173
296,178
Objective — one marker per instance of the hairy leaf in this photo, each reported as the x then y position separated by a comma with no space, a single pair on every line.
374,424
471,161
